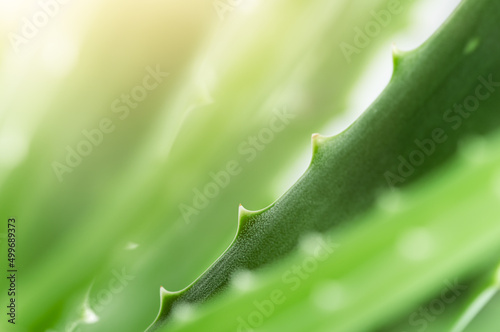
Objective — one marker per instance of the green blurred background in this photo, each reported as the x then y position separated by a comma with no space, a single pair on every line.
95,243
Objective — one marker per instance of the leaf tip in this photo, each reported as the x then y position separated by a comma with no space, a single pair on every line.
317,140
163,292
167,300
397,55
244,216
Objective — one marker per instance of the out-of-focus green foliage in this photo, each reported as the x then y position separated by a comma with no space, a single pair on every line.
406,133
94,248
406,251
226,77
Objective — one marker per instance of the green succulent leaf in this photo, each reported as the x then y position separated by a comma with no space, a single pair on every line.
440,93
381,268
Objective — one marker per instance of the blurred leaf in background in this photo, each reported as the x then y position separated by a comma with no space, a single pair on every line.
130,132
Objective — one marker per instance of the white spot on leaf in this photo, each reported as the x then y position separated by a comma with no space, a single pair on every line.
310,243
244,280
472,45
183,312
89,316
329,296
474,150
131,246
390,201
416,245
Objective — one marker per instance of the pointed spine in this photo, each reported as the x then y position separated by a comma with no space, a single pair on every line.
317,141
397,57
244,217
167,300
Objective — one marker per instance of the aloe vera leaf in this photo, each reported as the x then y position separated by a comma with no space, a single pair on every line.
147,201
380,270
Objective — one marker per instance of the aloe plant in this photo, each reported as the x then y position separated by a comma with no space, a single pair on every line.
440,93
157,152
94,249
414,260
